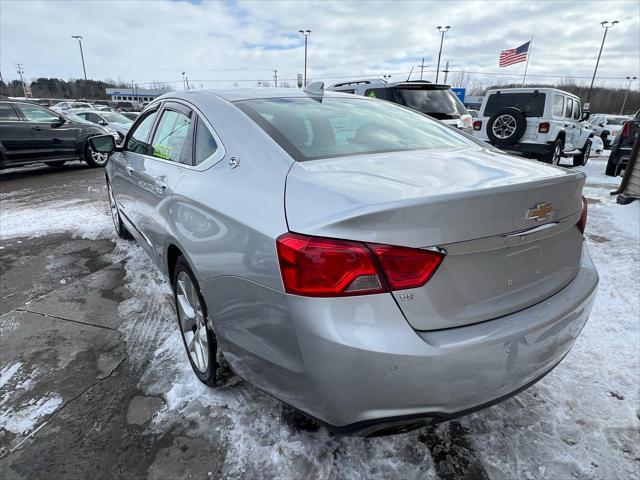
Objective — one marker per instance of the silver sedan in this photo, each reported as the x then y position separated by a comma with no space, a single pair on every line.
369,266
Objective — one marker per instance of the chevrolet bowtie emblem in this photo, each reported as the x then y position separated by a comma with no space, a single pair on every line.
539,212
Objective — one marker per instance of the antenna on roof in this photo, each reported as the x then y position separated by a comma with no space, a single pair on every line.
315,88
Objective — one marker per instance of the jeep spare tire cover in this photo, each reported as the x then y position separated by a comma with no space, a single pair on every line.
506,126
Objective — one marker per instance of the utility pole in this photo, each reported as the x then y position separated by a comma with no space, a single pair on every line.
305,34
20,70
606,25
442,31
84,68
630,79
421,68
275,77
446,72
184,83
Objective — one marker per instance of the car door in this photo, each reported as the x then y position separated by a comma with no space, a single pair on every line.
52,138
126,163
16,138
161,171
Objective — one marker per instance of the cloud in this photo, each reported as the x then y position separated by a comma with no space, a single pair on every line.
218,43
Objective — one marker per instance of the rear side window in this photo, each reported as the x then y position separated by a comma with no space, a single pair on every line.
205,144
558,105
171,140
380,93
530,103
569,108
139,140
7,113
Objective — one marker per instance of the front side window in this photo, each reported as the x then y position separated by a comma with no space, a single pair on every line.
170,141
205,144
336,127
7,113
530,103
139,140
36,114
558,105
569,108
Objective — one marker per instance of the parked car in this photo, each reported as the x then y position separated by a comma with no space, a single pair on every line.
103,108
435,100
128,107
329,247
112,121
541,123
30,133
607,127
130,115
622,146
104,103
596,145
63,107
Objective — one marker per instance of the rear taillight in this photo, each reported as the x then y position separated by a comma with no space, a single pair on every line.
477,125
626,129
583,218
543,127
324,267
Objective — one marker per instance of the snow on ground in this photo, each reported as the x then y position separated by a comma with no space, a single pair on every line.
581,421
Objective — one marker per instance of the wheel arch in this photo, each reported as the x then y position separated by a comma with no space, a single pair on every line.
172,255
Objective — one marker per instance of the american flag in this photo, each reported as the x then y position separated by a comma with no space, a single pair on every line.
514,55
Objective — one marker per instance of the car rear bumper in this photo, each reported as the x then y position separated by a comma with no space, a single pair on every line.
366,369
529,148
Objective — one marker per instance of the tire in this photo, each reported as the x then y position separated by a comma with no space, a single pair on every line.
197,334
612,164
119,227
553,157
94,159
583,158
55,164
506,126
605,142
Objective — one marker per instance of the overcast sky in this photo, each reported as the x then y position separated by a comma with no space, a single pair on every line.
219,43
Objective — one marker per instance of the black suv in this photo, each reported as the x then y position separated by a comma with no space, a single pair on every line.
30,133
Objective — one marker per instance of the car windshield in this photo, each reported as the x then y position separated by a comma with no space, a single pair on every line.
115,118
530,103
441,104
313,128
616,120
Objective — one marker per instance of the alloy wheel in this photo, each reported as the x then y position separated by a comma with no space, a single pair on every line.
98,158
192,322
113,206
504,126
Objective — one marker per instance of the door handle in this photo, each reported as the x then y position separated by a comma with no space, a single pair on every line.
160,183
38,128
130,170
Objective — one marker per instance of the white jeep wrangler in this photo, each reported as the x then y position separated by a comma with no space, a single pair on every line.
543,123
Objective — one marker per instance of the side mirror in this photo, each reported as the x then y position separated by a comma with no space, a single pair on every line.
103,144
58,123
103,123
585,116
601,124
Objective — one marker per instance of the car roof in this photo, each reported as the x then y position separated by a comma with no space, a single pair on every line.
531,89
240,94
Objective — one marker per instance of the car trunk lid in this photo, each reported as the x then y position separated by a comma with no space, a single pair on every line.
472,203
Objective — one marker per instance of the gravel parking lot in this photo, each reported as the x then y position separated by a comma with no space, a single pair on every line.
94,382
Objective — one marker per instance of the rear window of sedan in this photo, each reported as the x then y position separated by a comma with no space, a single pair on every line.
327,127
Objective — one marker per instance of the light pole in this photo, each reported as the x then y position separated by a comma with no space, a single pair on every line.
84,69
606,25
184,83
442,32
629,79
305,34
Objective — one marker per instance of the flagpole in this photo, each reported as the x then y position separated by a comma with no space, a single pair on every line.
524,77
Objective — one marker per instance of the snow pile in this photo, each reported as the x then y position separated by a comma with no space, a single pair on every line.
86,219
24,420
